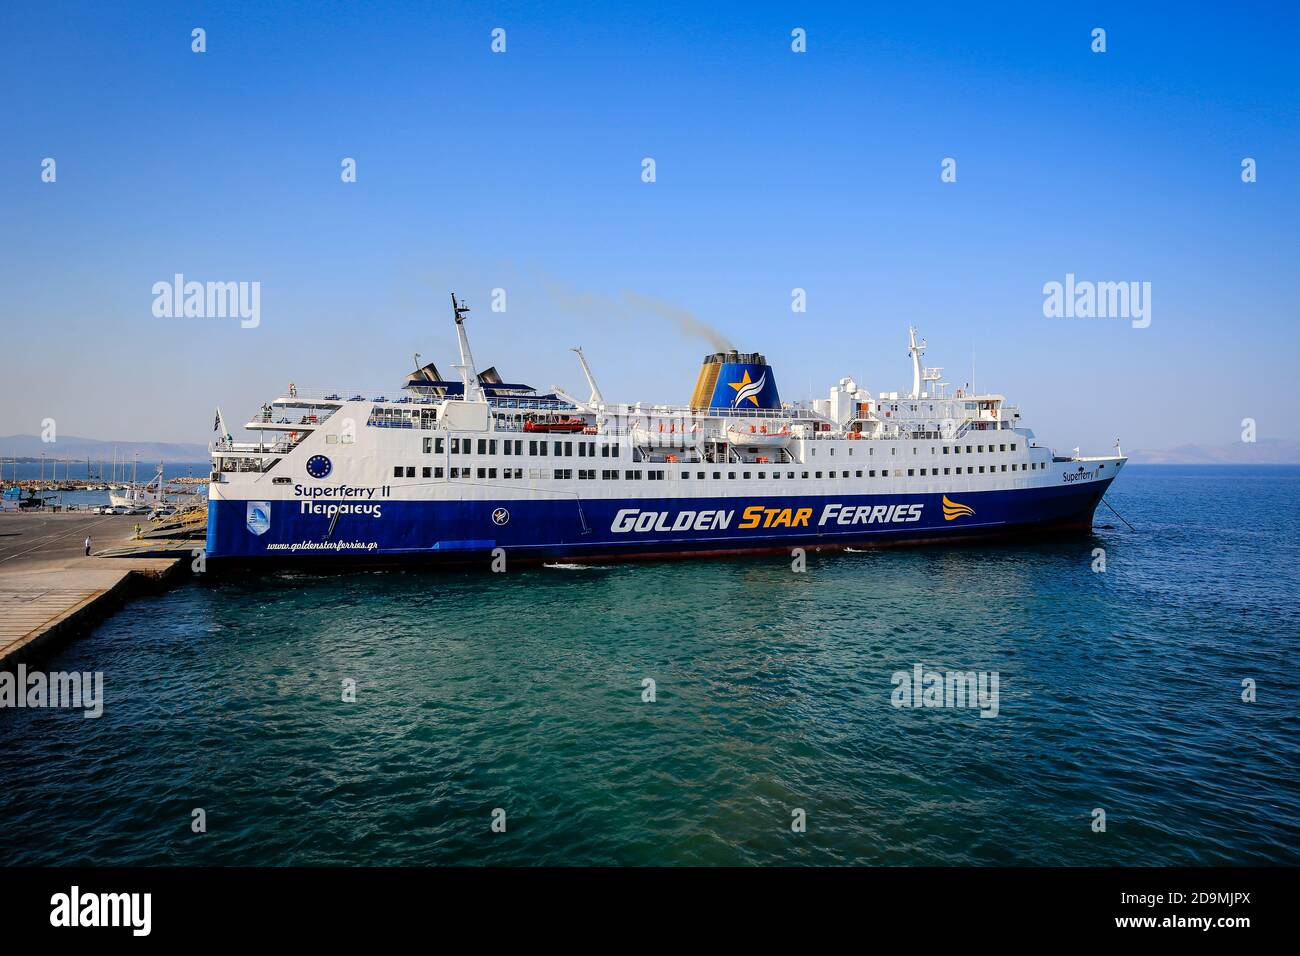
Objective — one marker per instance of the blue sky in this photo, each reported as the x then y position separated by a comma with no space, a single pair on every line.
775,170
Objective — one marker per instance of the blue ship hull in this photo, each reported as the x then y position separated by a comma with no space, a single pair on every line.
292,532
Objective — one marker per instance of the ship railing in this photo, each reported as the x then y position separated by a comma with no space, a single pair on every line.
282,447
533,404
679,436
312,393
974,425
304,421
690,412
245,465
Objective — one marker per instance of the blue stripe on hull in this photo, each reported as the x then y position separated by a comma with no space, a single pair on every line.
569,528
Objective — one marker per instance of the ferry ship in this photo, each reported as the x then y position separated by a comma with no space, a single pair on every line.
464,469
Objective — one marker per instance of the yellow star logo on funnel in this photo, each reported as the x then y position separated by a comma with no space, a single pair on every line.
745,389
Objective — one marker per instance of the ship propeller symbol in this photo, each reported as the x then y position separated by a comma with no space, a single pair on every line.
952,509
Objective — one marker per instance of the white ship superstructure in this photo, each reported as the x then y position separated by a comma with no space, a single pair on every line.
457,468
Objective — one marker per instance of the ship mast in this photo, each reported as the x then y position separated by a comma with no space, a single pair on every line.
473,393
596,397
915,350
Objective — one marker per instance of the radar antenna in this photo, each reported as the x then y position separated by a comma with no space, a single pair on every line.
460,309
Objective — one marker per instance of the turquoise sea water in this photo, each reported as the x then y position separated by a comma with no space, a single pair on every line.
522,691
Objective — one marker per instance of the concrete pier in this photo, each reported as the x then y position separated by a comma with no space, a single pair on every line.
49,589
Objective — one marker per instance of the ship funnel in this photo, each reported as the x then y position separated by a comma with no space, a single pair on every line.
740,380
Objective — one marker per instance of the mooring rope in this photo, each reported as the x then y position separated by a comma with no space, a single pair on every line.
1118,515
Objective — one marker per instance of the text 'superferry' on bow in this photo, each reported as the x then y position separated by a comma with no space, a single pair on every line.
453,470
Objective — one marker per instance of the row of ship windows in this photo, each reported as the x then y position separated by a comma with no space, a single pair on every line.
587,449
515,446
636,474
969,406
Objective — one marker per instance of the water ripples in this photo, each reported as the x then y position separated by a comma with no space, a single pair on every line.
523,691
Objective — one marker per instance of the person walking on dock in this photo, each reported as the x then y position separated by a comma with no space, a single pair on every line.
87,545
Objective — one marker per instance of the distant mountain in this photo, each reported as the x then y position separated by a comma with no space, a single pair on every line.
68,446
1271,451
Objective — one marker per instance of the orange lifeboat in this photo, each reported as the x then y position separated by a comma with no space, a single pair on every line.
565,426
